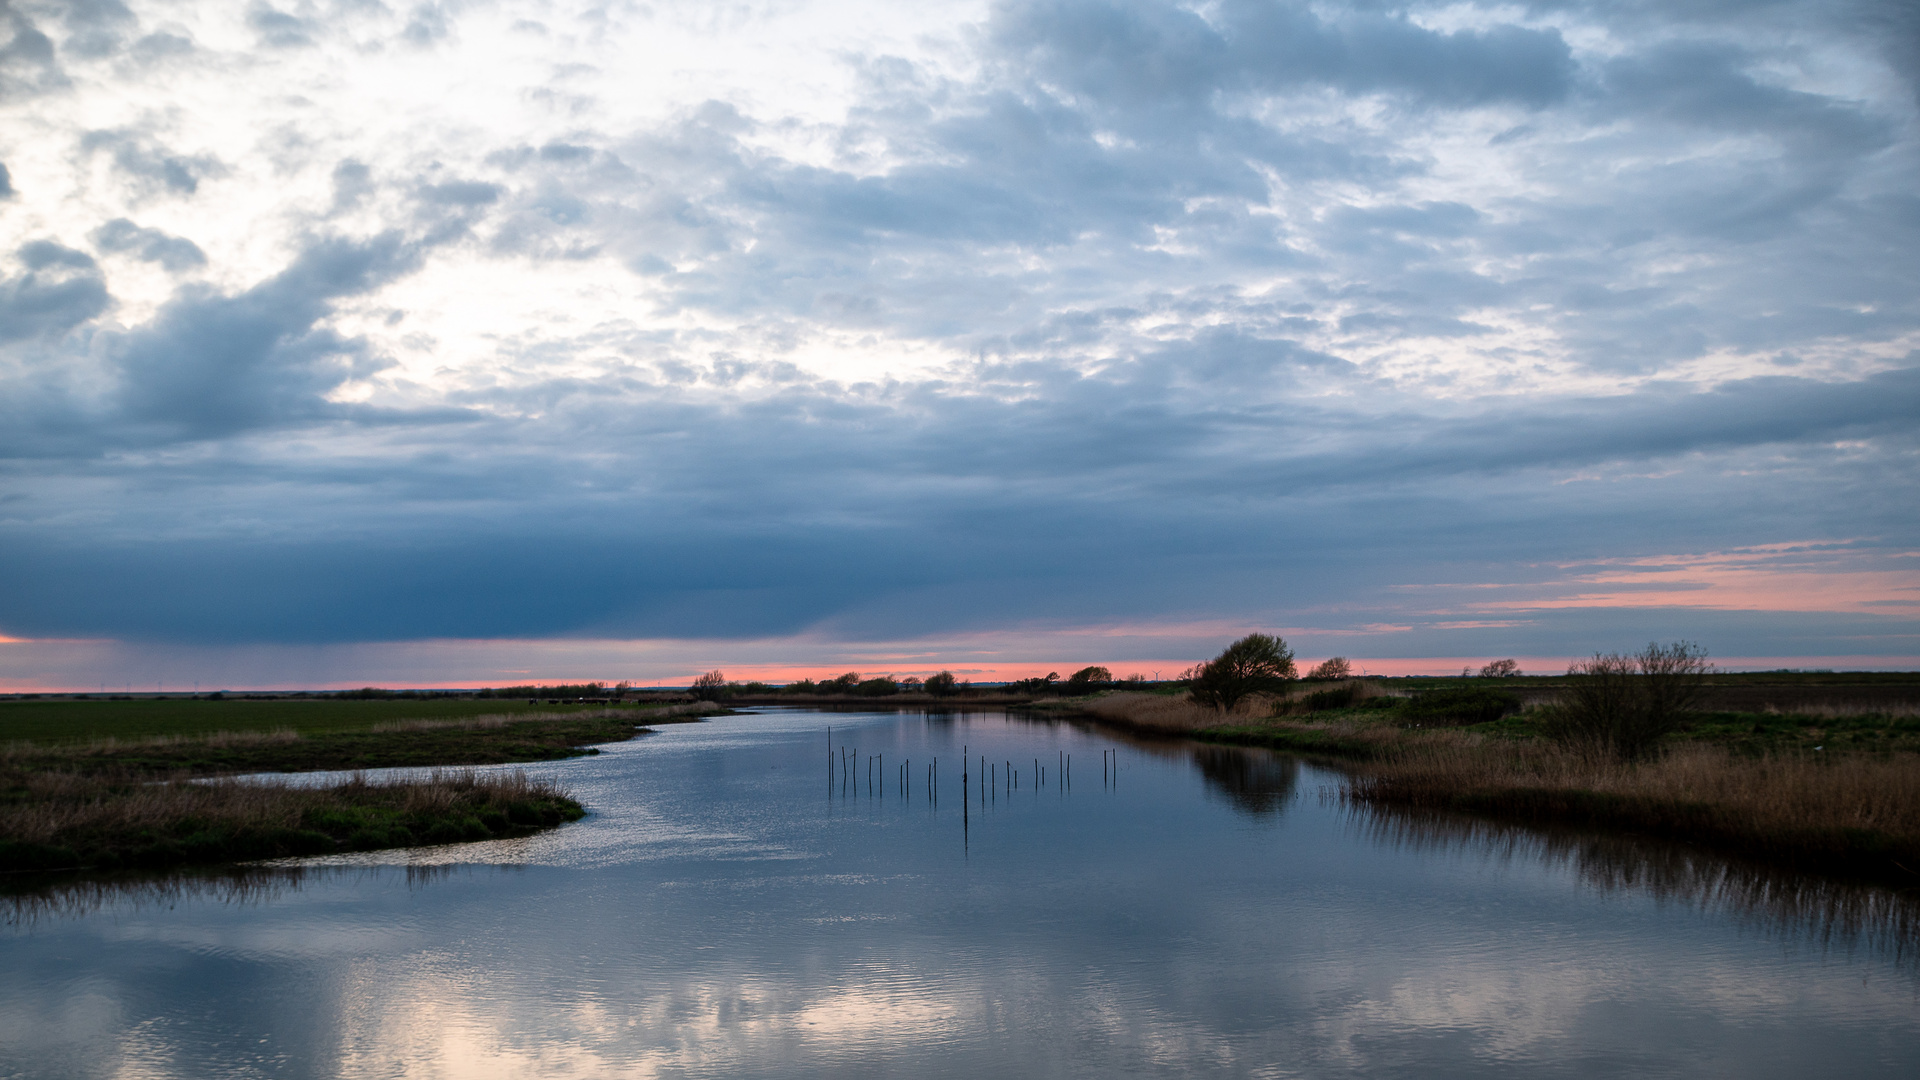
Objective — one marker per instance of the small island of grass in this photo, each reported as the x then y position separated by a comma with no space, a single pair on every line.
91,802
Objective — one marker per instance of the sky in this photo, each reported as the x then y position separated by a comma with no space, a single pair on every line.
473,343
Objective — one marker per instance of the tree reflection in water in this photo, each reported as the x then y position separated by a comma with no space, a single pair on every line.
1255,782
1792,907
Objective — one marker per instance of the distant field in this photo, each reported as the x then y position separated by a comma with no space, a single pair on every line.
49,722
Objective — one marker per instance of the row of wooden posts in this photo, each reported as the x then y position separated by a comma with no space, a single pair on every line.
849,760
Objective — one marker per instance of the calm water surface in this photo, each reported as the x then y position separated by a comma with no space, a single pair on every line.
725,913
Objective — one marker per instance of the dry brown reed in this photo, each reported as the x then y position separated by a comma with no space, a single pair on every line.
1180,715
1824,807
1154,712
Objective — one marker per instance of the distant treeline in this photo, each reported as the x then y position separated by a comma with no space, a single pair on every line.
558,690
714,685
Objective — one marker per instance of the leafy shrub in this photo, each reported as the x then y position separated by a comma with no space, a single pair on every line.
1088,679
942,684
1255,664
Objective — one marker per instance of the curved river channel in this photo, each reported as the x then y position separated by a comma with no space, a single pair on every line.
727,911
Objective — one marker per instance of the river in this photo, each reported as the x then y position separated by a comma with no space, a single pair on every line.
728,910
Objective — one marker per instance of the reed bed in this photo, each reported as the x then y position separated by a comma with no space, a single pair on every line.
71,820
1854,813
1849,812
1170,715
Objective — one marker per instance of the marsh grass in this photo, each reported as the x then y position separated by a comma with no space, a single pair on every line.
47,722
417,743
1843,811
1840,813
55,820
111,803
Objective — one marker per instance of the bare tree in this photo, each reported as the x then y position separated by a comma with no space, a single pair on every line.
709,687
1335,667
1500,669
1624,705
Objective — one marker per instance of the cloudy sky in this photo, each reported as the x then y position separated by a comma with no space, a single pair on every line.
345,341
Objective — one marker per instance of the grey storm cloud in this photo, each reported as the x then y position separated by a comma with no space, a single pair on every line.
1223,327
211,365
1151,57
149,163
279,29
59,288
152,245
28,66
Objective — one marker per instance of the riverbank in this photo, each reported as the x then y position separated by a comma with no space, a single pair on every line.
167,801
1753,785
54,821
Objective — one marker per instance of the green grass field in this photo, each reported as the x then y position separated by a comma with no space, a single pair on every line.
57,721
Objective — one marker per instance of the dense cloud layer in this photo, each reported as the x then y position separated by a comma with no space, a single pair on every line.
1410,330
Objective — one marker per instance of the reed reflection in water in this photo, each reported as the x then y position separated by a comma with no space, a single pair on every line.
1798,909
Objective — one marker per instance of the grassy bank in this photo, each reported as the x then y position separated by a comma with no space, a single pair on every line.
418,743
66,721
1746,784
71,821
111,801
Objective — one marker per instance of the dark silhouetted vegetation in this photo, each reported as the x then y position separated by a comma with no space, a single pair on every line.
1458,706
1256,664
1624,705
1335,667
1089,679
